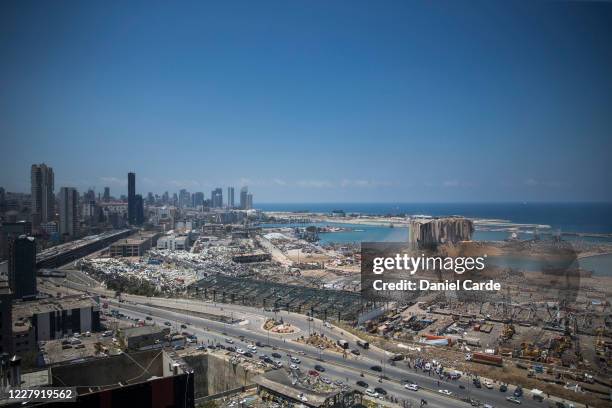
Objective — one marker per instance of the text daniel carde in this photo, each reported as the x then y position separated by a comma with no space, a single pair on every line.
411,264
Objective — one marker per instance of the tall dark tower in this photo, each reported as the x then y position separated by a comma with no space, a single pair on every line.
132,198
22,267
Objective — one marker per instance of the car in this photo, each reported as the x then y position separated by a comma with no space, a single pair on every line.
476,383
229,348
295,360
276,355
268,360
488,384
411,387
355,352
325,380
294,367
338,383
201,347
445,392
79,346
488,406
179,347
248,354
240,351
362,384
278,363
149,318
183,326
376,368
513,399
503,388
167,324
230,341
259,344
319,368
370,392
210,346
380,391
302,397
301,353
314,373
518,392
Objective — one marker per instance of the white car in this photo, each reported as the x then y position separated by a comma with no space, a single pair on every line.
240,351
411,387
230,341
302,397
488,384
513,399
445,392
488,406
294,367
326,380
371,393
296,360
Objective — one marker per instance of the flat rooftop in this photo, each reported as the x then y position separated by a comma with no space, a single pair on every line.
26,309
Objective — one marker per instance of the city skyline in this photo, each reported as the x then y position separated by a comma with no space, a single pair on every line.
423,103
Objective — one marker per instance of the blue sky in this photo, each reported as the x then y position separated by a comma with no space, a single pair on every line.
312,101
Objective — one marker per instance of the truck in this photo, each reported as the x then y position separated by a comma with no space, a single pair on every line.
363,344
343,343
484,358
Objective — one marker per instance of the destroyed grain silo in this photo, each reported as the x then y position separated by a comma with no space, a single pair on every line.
430,232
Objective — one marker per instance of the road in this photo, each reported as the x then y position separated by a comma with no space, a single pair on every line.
337,366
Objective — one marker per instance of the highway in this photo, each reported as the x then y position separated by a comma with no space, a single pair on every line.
337,366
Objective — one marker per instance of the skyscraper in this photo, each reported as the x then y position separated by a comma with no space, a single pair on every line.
230,197
198,199
244,192
106,196
249,201
43,200
22,266
69,222
184,198
132,198
216,197
139,209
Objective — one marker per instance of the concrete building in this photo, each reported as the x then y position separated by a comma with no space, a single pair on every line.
68,214
138,338
244,192
216,198
43,199
48,319
139,208
22,267
120,381
106,196
6,318
132,198
11,230
230,197
132,246
174,242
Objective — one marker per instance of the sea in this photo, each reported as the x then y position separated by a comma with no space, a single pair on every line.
551,218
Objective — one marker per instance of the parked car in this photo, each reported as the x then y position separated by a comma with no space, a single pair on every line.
376,368
380,390
355,352
362,384
319,368
513,399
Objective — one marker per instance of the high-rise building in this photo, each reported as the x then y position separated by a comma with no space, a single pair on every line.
230,197
184,198
198,199
22,266
68,215
249,201
217,197
132,198
106,196
244,192
150,198
43,200
139,208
